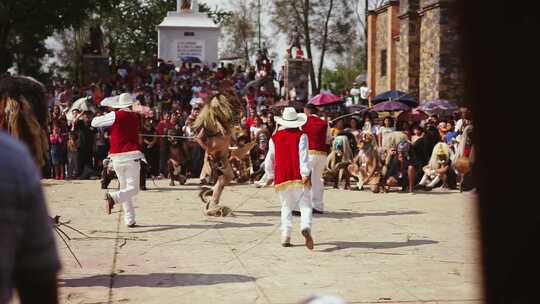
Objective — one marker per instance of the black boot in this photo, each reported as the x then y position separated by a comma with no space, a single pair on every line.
142,176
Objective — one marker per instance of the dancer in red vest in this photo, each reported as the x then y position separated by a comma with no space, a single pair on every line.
287,163
124,153
319,138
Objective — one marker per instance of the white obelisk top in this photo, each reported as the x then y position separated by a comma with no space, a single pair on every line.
193,6
186,32
187,18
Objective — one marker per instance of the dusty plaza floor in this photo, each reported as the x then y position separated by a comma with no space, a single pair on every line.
369,248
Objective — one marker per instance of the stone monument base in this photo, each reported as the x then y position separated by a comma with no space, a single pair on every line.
297,78
95,68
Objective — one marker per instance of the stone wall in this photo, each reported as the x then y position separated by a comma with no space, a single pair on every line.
441,67
429,55
409,48
381,44
451,84
428,61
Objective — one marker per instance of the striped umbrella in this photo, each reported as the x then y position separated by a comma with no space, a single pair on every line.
324,98
390,106
439,107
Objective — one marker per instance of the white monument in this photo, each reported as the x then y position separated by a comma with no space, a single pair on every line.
187,33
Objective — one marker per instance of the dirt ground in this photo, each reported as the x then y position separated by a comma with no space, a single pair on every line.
369,248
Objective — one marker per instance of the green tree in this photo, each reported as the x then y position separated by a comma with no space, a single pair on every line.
347,69
25,24
70,56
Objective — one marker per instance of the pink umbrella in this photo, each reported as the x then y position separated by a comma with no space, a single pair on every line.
324,98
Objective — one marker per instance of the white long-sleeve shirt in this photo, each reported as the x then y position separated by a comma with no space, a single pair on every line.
303,154
107,120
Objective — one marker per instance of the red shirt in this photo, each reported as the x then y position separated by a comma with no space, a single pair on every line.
250,122
161,126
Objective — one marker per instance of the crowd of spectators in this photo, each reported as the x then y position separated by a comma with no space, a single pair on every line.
383,152
398,153
174,97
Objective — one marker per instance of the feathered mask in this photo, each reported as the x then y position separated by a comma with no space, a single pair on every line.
216,117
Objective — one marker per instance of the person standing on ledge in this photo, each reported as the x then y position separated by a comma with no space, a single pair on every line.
287,163
124,152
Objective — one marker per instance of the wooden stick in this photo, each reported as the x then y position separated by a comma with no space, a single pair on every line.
76,230
69,248
346,115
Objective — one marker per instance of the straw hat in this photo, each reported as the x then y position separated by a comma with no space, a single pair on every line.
290,119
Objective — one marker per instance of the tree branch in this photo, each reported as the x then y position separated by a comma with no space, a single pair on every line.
324,41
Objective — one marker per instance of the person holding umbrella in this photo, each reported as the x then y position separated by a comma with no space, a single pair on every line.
124,152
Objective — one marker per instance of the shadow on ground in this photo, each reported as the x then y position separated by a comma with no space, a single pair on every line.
334,215
220,225
339,245
159,280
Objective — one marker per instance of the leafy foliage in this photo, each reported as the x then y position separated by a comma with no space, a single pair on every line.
25,24
343,75
240,30
328,26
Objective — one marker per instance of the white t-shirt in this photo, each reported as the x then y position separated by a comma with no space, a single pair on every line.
385,131
188,131
365,92
355,92
373,129
254,130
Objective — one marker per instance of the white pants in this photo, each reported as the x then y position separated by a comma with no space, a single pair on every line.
317,164
128,175
290,198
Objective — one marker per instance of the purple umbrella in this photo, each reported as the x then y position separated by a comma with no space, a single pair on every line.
389,106
324,98
439,107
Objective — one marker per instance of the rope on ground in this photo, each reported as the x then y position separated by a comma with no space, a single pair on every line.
167,136
237,257
112,273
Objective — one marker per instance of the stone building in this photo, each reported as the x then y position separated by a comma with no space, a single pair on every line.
414,46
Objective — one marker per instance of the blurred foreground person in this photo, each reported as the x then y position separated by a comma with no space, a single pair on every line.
28,259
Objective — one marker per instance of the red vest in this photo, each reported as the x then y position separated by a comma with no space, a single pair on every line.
316,129
125,132
286,159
